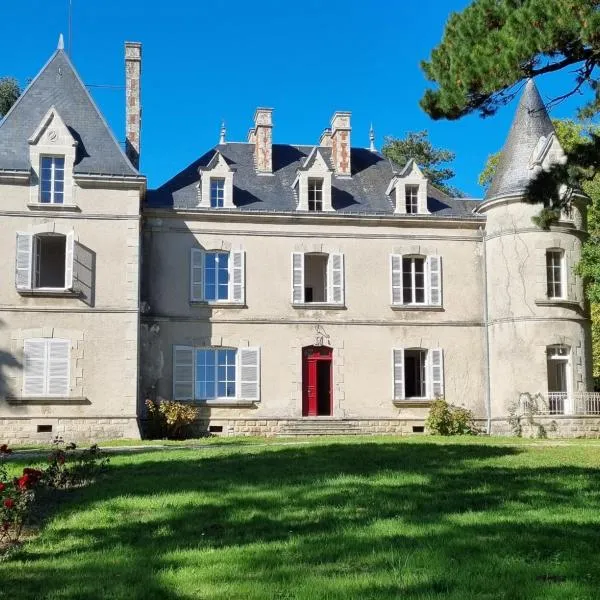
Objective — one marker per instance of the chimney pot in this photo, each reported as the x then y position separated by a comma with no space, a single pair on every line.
133,108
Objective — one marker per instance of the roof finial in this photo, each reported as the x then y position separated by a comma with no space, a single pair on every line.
61,42
372,139
223,132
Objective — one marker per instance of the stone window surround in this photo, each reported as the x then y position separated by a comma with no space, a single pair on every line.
398,186
576,359
318,170
217,168
573,289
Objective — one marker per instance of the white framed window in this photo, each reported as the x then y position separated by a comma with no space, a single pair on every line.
555,273
418,373
216,373
558,360
44,261
217,276
52,179
317,278
415,280
46,369
411,199
315,194
217,192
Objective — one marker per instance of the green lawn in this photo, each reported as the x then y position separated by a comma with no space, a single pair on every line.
354,518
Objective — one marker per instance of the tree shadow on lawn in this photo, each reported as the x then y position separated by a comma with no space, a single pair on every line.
371,520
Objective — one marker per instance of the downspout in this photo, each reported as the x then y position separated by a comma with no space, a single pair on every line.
486,333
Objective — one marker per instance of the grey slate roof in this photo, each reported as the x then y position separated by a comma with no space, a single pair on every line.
530,123
59,85
363,193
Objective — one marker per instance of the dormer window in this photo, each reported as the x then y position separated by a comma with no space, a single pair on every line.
411,198
315,194
217,192
52,179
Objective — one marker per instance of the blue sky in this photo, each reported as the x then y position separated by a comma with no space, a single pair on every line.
207,61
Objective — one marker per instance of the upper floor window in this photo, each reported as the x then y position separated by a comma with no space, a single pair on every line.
315,194
217,192
411,198
416,280
317,278
418,373
217,276
46,367
555,273
52,179
215,373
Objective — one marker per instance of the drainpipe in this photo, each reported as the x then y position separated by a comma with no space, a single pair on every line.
486,333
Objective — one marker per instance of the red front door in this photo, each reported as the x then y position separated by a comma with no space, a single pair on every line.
317,386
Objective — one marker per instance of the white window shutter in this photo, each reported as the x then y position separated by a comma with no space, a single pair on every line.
58,355
24,260
435,280
196,274
396,278
249,373
398,363
237,278
436,372
183,373
34,367
69,260
335,279
297,278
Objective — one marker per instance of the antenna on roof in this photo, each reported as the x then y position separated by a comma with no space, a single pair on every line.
223,132
372,139
61,42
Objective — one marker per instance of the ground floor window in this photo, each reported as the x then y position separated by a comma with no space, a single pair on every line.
46,367
215,373
558,360
418,373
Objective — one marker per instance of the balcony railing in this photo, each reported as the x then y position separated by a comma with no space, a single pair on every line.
576,403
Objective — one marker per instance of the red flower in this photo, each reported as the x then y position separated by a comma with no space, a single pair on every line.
4,449
9,503
2,487
24,483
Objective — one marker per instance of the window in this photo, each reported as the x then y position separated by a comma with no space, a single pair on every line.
44,261
217,192
317,278
558,381
215,373
217,276
411,198
52,180
46,367
315,194
418,373
416,280
555,273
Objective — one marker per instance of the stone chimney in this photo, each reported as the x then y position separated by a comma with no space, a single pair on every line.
340,143
325,138
133,108
263,140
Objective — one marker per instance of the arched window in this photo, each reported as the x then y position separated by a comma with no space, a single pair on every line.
555,273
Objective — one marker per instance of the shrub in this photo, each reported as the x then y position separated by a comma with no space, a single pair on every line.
169,418
447,419
69,467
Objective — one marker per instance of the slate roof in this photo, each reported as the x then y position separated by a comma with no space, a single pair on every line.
59,85
530,123
363,193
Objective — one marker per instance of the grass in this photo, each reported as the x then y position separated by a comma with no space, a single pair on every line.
353,518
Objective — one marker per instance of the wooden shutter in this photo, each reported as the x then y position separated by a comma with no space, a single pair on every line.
398,368
249,373
435,280
196,274
436,373
237,279
297,278
183,373
83,272
69,260
396,278
335,279
34,367
57,371
24,260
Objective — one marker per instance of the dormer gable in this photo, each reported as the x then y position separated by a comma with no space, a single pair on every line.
52,150
313,183
408,189
216,183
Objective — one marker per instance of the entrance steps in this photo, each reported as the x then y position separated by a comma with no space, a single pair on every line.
320,426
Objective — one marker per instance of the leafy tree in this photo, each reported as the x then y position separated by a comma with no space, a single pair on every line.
9,92
431,160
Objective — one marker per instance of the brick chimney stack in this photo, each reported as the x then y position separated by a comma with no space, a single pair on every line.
340,143
263,140
133,108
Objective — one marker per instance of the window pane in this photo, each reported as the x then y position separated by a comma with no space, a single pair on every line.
47,162
59,163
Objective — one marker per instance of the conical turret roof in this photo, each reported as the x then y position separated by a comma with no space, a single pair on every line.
531,122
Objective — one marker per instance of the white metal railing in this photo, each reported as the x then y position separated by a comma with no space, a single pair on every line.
576,403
